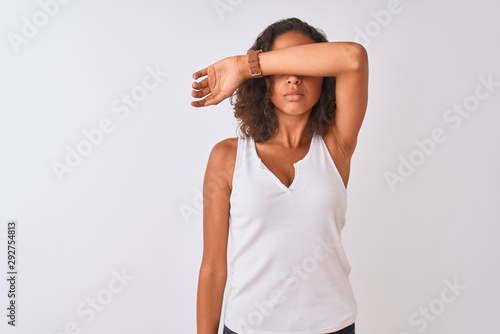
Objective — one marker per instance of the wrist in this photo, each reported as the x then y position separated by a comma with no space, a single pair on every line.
254,64
243,68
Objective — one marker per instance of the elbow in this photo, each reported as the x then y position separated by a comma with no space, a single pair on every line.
214,271
359,57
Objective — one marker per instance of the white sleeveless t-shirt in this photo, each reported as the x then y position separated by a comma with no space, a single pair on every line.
287,270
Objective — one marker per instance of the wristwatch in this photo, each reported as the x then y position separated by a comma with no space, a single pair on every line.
253,64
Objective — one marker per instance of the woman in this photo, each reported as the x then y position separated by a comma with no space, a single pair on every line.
279,192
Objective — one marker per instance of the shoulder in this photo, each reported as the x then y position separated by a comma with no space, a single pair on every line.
222,159
225,148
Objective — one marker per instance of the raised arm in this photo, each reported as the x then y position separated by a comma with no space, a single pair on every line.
351,94
347,61
316,59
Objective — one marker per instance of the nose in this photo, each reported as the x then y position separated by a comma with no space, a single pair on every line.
293,79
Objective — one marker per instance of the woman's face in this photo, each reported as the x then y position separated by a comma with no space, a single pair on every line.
309,87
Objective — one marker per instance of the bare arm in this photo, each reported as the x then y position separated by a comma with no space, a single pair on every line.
351,95
347,61
213,269
317,60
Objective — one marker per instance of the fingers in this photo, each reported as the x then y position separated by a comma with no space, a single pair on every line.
208,101
201,103
200,74
199,85
200,93
198,103
202,90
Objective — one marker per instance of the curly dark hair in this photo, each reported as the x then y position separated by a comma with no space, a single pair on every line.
254,109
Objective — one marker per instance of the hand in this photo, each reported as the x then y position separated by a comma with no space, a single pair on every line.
224,77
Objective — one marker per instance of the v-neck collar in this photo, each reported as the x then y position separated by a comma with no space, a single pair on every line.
296,165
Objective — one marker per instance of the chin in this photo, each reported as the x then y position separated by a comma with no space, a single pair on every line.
294,110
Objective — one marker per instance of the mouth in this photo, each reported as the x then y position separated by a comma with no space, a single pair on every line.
294,95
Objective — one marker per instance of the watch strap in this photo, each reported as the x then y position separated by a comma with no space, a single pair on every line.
253,64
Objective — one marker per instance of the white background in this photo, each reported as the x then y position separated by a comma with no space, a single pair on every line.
133,202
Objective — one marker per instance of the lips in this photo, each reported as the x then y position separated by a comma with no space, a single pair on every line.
294,92
293,95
